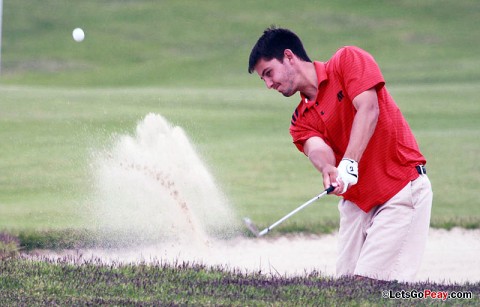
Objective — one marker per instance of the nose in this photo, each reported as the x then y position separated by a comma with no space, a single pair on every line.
268,83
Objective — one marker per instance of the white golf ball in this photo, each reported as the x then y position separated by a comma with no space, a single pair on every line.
78,34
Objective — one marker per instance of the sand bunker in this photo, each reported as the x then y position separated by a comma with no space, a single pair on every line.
451,256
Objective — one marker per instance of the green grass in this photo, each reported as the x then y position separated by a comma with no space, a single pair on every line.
242,135
9,246
206,43
40,283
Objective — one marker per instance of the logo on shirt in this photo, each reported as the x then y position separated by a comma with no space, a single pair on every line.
294,117
340,96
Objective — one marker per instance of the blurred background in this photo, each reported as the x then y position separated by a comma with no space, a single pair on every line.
61,100
206,43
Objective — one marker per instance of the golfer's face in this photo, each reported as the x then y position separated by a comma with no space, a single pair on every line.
277,75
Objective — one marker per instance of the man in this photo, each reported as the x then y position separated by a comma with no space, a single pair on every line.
354,134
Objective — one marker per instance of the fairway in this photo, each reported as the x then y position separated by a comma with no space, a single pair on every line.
62,101
241,134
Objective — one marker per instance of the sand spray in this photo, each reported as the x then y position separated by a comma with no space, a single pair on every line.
153,186
152,189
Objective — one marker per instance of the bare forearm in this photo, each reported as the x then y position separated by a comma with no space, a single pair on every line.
363,125
319,153
322,157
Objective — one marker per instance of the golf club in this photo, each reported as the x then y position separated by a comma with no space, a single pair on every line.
254,229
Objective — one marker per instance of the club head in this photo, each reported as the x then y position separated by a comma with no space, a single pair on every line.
253,229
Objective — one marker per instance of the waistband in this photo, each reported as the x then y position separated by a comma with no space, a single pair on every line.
421,169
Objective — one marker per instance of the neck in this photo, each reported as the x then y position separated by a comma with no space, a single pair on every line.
309,87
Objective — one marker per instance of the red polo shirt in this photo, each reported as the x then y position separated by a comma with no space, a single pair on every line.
389,161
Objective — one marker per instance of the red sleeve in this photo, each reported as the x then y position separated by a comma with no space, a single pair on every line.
305,127
359,71
300,136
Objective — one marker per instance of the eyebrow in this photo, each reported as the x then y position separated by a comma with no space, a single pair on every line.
264,72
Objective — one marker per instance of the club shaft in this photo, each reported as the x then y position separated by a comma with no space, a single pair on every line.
266,230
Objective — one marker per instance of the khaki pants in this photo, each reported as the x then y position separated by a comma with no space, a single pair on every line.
388,242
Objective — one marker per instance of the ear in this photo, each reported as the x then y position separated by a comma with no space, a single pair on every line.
288,55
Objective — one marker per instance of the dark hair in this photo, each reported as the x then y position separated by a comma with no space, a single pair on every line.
273,43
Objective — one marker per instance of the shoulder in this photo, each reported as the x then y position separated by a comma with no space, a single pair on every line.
349,53
351,57
347,50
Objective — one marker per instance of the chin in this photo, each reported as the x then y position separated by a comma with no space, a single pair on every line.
288,94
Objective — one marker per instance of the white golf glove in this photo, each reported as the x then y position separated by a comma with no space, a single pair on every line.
347,173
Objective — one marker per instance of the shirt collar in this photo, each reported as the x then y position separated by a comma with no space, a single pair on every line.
321,77
321,72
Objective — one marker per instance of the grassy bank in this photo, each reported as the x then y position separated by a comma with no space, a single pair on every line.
36,283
